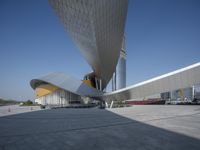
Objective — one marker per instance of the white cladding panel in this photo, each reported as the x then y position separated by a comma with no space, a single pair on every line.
179,79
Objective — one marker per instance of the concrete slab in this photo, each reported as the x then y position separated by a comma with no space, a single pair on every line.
137,127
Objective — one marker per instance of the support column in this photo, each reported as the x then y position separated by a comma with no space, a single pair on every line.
111,104
193,92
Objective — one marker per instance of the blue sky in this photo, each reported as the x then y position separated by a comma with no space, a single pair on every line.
161,36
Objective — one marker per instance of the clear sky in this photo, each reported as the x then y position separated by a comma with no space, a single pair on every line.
161,36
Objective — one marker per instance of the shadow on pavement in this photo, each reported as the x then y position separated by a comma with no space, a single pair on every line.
86,129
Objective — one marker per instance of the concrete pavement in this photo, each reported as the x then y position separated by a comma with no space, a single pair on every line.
138,127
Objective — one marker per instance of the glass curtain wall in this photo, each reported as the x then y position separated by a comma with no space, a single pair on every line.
60,98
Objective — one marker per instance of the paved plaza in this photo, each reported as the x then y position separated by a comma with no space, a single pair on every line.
139,127
16,109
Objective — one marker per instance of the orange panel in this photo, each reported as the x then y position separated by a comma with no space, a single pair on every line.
45,90
88,82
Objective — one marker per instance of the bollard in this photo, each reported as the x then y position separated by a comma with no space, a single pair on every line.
9,109
31,108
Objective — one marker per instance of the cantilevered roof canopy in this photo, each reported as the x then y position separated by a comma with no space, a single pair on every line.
67,83
97,28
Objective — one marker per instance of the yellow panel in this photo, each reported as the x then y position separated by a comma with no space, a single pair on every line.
88,82
45,90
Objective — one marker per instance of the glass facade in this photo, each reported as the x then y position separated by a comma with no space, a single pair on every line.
179,94
60,98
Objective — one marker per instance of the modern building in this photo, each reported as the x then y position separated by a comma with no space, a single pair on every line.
97,28
179,79
58,89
